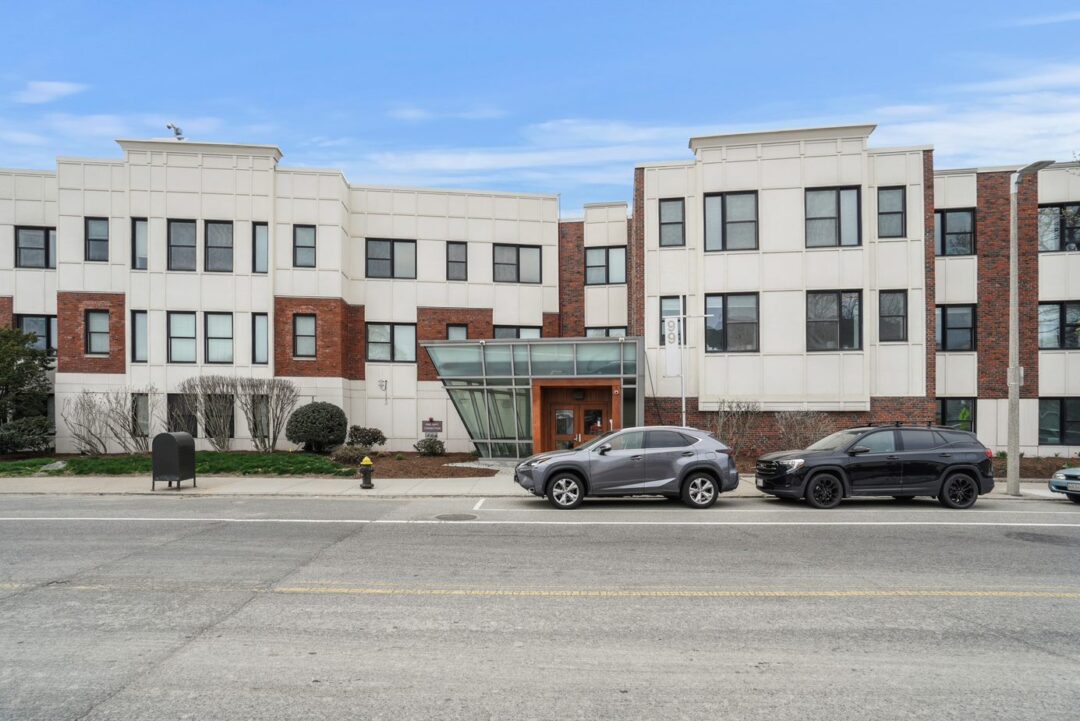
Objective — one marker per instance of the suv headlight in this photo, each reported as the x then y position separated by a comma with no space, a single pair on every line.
540,461
1059,476
792,464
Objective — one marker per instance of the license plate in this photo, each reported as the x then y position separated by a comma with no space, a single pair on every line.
1073,485
760,483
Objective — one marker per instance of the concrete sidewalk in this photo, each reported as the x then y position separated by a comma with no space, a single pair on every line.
501,484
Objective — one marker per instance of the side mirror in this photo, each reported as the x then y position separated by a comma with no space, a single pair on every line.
858,450
602,450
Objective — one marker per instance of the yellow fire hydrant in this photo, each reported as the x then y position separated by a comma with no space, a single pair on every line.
366,469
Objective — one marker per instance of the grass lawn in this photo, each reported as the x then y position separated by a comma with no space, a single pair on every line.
206,463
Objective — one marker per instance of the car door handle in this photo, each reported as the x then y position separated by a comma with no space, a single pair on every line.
945,455
636,458
891,458
687,453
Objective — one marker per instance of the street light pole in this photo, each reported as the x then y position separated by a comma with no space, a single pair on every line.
1015,377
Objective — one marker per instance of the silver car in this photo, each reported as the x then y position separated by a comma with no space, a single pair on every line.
655,460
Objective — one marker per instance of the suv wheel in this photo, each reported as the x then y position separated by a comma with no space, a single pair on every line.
699,491
824,491
565,491
958,491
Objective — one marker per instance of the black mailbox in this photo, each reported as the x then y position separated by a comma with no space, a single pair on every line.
173,459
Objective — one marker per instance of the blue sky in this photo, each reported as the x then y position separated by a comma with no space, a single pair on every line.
548,97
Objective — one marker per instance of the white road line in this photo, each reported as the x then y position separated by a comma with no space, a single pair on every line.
724,511
478,504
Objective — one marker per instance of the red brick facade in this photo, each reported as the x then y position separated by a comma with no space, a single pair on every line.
71,309
431,325
992,225
339,338
7,314
551,326
635,259
930,275
572,279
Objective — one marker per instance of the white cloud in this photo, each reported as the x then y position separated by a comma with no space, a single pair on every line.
38,92
417,114
1069,17
1047,77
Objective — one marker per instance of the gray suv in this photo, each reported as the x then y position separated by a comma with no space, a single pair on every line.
655,460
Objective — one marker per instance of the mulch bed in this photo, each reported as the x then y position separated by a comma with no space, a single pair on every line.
1035,467
413,465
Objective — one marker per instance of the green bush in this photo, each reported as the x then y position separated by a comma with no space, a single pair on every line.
318,426
26,434
366,437
349,455
430,447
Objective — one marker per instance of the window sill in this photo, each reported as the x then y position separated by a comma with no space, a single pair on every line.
393,362
833,247
601,285
732,352
836,350
95,355
34,267
733,250
968,350
304,358
905,341
957,255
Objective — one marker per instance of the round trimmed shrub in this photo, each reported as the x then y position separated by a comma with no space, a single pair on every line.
430,447
26,434
366,437
349,455
318,426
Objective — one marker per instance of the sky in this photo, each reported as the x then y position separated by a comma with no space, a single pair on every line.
552,97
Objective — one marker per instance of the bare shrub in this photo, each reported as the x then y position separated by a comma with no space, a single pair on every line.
210,400
130,428
734,421
85,418
798,429
266,404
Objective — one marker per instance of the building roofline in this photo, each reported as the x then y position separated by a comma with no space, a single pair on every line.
29,171
760,136
457,191
174,145
901,149
609,204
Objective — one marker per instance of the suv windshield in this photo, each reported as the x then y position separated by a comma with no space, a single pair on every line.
838,440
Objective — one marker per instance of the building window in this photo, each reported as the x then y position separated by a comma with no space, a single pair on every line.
516,263
731,221
832,217
260,248
517,331
391,342
260,338
671,305
1059,421
303,336
1059,325
456,331
957,413
834,320
955,328
139,342
181,411
303,246
891,212
605,266
457,261
97,332
42,326
391,258
892,316
606,332
35,247
219,337
139,231
181,331
731,323
140,413
181,242
672,222
97,239
954,232
1059,227
219,246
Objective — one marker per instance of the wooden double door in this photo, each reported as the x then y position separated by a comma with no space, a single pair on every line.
577,415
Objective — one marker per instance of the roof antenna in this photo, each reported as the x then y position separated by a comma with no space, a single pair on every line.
176,131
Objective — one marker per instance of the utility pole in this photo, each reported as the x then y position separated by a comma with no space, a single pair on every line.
1015,376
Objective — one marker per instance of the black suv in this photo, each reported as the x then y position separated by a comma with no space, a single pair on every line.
900,461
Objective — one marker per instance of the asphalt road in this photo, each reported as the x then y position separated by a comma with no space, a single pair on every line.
209,608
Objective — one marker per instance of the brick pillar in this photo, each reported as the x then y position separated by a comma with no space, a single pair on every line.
572,278
7,314
551,325
431,325
71,309
930,280
635,250
339,338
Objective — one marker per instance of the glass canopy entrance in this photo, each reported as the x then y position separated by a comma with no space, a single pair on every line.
519,397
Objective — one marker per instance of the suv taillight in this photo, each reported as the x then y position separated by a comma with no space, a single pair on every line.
989,453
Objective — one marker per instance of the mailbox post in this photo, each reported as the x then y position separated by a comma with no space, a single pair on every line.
173,459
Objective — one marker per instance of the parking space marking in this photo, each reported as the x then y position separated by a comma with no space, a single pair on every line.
478,504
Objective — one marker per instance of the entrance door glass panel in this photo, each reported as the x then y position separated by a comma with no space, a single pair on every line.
565,434
593,424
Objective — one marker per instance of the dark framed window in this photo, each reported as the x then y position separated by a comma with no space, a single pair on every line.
954,232
97,332
1059,325
139,337
957,413
218,337
457,260
672,222
181,414
1059,227
605,266
218,256
613,331
140,229
457,331
304,335
181,244
833,320
517,331
180,329
140,413
42,326
671,305
390,258
1059,421
955,328
833,217
516,263
391,342
892,316
260,248
731,221
731,323
303,246
97,239
892,212
260,338
35,247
